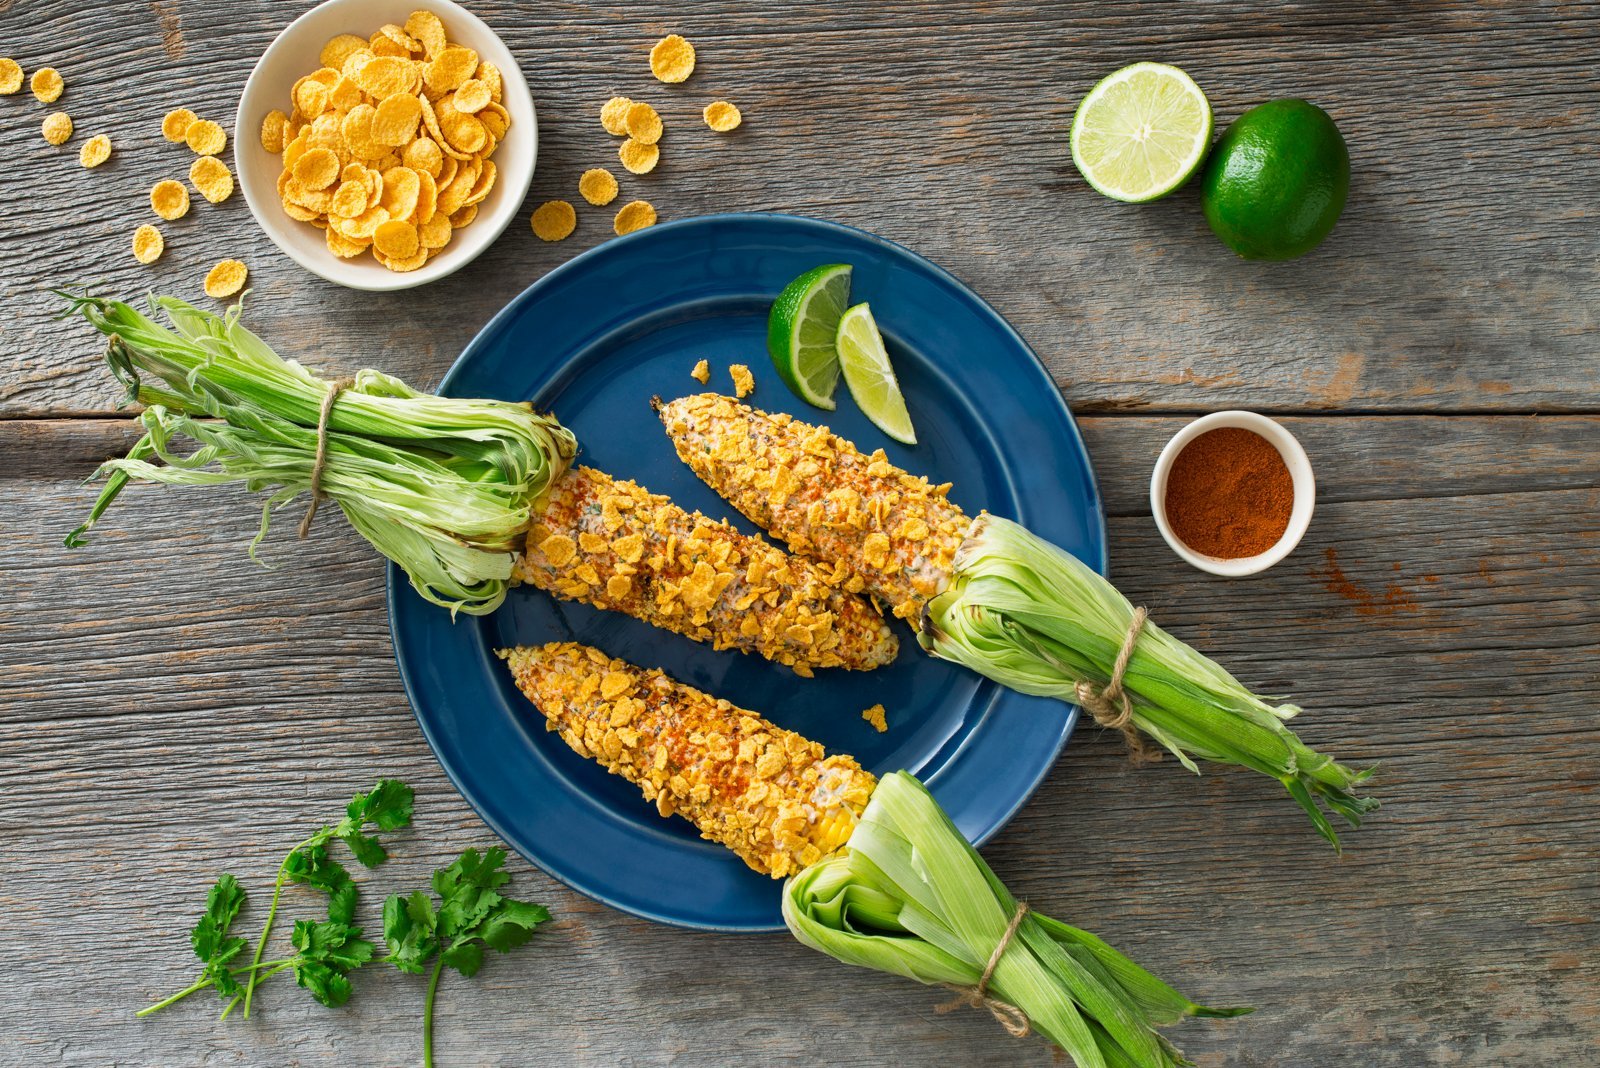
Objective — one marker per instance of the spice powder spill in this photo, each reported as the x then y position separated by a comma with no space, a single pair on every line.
1229,494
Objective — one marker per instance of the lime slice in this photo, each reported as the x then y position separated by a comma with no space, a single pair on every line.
801,328
869,376
1141,132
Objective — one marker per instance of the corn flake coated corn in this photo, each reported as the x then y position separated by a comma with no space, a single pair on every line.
635,215
10,76
672,59
644,124
598,186
211,177
554,220
95,151
147,244
722,116
226,279
57,127
47,85
205,137
744,383
639,158
614,116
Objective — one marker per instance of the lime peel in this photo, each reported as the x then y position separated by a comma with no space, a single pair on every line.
800,332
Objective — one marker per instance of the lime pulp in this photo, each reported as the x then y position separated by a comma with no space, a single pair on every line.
1141,132
871,379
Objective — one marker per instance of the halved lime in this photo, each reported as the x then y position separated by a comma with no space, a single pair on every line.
1141,132
871,380
801,329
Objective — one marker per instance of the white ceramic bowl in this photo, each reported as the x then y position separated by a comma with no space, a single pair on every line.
294,55
1305,491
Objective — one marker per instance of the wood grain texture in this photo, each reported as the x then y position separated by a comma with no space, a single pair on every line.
168,710
1463,274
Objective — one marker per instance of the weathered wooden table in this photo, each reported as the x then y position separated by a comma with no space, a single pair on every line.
168,710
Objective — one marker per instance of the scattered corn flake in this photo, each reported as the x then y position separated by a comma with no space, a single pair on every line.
639,158
598,186
635,215
644,124
211,177
554,220
273,129
396,239
10,76
701,372
147,244
46,84
169,199
226,279
175,124
744,383
95,151
875,716
722,116
614,116
672,59
57,127
205,137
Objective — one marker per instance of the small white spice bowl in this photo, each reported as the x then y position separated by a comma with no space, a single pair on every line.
1305,492
295,53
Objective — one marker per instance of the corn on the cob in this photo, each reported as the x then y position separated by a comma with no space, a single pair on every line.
611,544
823,497
770,795
1001,600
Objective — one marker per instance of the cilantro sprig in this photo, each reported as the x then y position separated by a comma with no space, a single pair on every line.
471,915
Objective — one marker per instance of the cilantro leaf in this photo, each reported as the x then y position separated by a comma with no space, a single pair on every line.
464,957
326,952
408,926
210,938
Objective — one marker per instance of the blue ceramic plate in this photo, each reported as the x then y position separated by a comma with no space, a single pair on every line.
592,341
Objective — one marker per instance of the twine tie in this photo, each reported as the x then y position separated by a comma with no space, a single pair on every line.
1013,1019
1110,705
336,387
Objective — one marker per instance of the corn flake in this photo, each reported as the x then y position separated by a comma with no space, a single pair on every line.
10,76
875,716
672,59
436,232
273,128
614,116
423,155
429,32
341,48
345,248
175,124
57,127
635,215
452,66
472,96
644,124
226,279
316,169
396,239
205,137
95,151
722,116
490,75
598,186
395,122
639,158
147,244
463,216
701,372
47,85
400,189
211,177
385,76
744,383
554,220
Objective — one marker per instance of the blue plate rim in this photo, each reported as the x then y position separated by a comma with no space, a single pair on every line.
396,583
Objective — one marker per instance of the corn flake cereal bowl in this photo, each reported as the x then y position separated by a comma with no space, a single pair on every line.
351,255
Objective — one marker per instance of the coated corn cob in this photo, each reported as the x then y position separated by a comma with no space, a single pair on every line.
770,795
818,493
614,545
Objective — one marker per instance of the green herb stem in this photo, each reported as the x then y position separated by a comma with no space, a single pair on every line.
427,1014
275,966
266,930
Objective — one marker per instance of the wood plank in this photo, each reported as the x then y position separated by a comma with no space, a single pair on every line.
168,711
1464,274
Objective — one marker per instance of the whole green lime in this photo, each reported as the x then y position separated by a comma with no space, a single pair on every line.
1276,181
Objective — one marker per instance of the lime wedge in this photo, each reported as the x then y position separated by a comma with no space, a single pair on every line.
869,376
801,328
1141,132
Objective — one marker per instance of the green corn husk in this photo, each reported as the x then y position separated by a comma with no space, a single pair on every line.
442,487
909,896
1033,617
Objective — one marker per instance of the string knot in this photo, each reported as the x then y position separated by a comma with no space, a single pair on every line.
1110,705
1013,1019
336,387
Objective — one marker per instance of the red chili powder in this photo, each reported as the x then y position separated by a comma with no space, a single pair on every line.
1229,494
